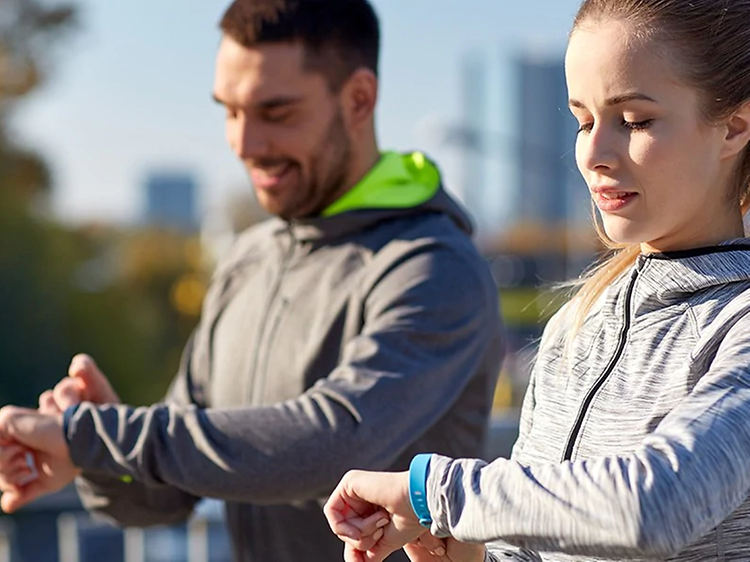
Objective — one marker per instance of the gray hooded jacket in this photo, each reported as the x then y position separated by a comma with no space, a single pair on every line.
634,445
350,341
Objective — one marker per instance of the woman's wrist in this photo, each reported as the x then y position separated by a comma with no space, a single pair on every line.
419,470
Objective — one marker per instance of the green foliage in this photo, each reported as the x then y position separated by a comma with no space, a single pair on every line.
127,319
29,31
128,299
65,291
32,304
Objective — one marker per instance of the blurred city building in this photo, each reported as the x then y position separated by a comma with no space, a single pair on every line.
171,200
550,190
546,238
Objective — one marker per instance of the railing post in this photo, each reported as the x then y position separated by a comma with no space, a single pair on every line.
67,538
6,542
134,542
197,537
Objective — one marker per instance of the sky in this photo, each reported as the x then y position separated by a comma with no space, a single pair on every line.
132,92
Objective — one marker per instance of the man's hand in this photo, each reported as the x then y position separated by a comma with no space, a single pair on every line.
43,435
90,382
350,511
84,383
34,458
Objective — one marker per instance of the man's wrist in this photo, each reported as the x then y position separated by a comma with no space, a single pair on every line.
418,473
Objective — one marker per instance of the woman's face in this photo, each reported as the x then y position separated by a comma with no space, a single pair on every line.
658,173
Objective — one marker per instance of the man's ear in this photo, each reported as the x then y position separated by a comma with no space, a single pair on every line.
359,95
737,131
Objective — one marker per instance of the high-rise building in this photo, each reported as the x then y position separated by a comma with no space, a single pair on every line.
172,200
551,190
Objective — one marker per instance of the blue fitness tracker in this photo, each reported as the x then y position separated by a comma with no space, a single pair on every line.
420,464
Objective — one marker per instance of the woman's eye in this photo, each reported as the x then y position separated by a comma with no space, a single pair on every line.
637,125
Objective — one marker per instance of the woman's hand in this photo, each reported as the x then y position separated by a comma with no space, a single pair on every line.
431,549
362,501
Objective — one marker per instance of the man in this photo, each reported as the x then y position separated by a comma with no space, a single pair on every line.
354,330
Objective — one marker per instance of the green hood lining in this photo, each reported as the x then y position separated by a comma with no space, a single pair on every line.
397,181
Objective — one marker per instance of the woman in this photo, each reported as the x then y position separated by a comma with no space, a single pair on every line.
635,430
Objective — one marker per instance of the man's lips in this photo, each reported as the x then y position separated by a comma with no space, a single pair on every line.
269,177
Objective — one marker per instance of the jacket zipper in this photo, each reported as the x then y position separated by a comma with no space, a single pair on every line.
607,371
254,380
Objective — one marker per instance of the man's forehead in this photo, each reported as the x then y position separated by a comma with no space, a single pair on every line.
267,71
267,58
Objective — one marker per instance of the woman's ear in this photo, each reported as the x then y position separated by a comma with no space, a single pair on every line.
737,131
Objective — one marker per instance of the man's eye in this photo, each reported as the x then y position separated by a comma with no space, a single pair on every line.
277,116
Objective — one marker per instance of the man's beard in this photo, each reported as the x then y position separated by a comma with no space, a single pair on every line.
326,189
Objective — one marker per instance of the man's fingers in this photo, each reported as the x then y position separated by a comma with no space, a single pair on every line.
10,453
79,363
47,403
68,392
14,464
8,417
15,477
34,430
13,500
96,386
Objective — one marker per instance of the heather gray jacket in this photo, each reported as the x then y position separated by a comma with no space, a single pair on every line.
355,340
636,445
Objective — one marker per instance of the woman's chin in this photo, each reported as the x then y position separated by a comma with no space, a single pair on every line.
625,232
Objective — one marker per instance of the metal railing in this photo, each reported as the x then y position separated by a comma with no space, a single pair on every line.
202,539
64,532
6,541
81,538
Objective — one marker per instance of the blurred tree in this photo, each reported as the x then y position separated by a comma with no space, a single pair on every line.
33,257
126,310
29,31
129,298
32,302
28,34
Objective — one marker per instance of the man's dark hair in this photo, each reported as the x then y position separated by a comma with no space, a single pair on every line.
339,36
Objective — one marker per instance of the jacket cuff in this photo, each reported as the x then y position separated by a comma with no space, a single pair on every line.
435,482
67,416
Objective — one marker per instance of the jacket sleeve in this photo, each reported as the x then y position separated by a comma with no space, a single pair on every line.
132,503
685,478
429,322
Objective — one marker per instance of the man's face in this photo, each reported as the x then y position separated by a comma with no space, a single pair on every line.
286,126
